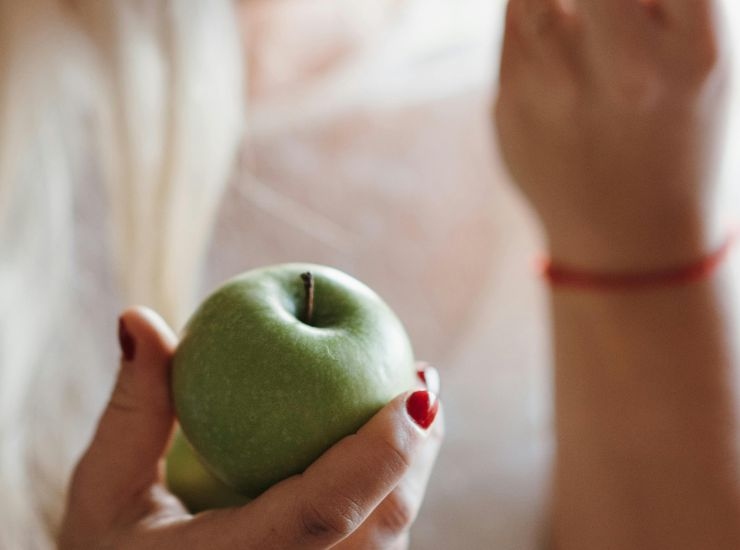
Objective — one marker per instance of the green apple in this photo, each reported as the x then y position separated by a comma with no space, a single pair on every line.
193,484
279,364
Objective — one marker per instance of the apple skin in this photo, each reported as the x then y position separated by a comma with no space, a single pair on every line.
193,484
260,394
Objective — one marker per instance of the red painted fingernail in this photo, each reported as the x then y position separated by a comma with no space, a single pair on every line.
422,407
128,344
429,375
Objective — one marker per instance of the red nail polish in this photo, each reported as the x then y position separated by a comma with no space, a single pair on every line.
422,407
128,344
430,377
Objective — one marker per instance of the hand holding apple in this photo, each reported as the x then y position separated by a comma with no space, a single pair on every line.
279,364
364,491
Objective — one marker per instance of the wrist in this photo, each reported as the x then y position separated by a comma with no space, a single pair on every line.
653,245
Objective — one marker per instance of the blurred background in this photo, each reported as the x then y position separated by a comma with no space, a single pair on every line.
150,150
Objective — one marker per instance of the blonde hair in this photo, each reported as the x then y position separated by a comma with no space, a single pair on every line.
155,90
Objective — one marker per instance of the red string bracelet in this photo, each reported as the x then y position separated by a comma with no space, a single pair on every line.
564,276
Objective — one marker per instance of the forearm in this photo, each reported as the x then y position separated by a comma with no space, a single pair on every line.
646,420
610,116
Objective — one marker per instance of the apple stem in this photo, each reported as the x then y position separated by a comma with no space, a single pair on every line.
308,286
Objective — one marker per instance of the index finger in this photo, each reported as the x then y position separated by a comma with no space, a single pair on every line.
334,496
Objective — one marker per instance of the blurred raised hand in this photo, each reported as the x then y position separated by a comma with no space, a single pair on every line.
610,115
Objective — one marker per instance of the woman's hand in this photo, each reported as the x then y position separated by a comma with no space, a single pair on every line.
362,493
609,116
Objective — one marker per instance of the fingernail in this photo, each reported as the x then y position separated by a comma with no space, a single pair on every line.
422,407
422,376
128,344
429,375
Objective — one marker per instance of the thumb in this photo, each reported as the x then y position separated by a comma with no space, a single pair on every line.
133,433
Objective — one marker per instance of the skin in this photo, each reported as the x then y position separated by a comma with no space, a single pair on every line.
619,160
362,493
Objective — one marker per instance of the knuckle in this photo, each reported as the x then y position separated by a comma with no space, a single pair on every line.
331,522
707,60
130,399
123,404
398,513
395,458
124,398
